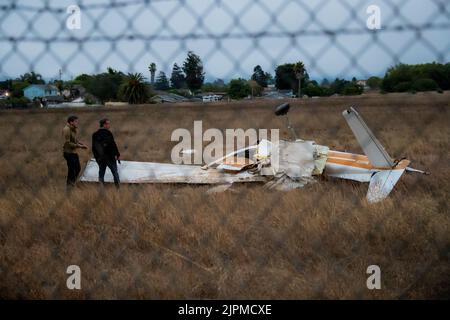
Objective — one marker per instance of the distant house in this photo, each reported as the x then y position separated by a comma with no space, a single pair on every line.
363,83
167,97
74,91
78,91
40,91
213,96
54,99
278,94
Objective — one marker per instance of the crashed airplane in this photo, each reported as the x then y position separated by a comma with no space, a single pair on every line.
281,165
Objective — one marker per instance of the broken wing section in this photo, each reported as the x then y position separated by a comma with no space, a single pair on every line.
150,172
369,143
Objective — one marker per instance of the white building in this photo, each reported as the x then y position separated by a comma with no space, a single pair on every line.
211,98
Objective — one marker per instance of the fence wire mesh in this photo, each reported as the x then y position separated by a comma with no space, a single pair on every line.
331,37
159,241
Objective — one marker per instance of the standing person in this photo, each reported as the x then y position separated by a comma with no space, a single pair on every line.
105,151
71,144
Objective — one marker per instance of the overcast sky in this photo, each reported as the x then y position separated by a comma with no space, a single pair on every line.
231,36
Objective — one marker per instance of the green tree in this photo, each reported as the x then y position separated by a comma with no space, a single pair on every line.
193,69
177,78
81,79
403,77
260,76
299,71
58,84
352,88
133,89
105,86
338,86
6,85
398,79
239,88
256,88
32,78
270,79
152,70
312,89
344,87
425,85
286,77
374,82
17,88
216,86
162,83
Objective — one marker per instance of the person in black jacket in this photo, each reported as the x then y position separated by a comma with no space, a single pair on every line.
105,151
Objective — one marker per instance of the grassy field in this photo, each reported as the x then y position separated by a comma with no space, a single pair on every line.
166,241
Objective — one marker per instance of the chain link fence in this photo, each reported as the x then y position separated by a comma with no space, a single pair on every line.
159,241
332,37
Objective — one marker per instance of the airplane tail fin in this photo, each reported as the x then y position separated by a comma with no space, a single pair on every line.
367,140
382,183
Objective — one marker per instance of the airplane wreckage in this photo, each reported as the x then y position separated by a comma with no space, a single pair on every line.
283,165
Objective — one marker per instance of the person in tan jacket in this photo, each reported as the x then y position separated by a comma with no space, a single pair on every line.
71,145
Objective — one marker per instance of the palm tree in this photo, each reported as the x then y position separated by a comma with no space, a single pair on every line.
152,69
133,89
299,70
32,78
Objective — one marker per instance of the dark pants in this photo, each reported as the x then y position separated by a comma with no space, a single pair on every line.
112,165
73,167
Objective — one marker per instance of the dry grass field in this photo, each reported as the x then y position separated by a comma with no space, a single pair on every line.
167,241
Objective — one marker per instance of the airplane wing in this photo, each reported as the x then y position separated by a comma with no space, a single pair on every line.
151,172
367,140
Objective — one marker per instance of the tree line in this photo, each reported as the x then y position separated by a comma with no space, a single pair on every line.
188,79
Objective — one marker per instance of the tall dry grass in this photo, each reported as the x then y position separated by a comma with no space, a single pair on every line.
172,241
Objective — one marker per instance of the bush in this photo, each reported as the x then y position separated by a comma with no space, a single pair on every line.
425,85
21,102
216,86
239,88
374,82
4,104
256,89
312,90
17,88
104,86
89,99
420,77
353,89
403,87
